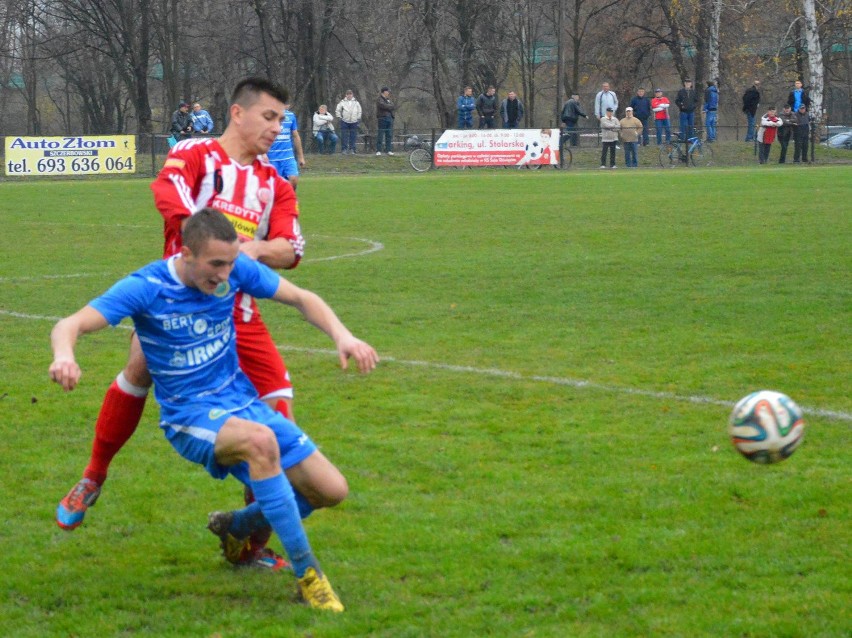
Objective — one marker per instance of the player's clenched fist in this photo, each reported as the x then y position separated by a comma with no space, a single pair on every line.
66,373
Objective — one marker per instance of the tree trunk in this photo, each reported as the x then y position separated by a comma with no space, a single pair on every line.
815,64
715,51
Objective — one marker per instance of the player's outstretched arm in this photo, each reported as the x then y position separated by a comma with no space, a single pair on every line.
64,369
320,314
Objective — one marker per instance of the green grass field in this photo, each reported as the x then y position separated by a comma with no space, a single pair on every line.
543,451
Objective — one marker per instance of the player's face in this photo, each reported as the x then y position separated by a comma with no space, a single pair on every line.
211,265
260,123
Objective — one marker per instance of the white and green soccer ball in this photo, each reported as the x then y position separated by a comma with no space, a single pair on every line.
766,426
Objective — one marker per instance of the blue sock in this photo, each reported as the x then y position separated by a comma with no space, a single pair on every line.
305,508
247,520
275,498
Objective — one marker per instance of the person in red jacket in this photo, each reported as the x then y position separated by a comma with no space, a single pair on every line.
660,108
769,125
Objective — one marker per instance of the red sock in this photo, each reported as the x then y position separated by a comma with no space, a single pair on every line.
120,414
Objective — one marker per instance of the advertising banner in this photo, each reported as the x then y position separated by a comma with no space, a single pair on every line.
73,155
498,147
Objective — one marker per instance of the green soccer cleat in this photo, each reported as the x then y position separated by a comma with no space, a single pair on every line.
316,591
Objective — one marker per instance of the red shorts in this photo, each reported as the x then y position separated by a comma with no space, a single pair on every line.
261,361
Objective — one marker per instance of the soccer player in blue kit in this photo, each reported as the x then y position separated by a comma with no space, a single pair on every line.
182,309
286,153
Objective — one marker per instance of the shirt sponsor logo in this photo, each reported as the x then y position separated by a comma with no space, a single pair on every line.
245,229
199,355
198,326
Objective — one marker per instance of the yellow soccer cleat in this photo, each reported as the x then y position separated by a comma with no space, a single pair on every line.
316,591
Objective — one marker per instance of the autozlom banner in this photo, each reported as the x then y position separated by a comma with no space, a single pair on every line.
498,147
72,155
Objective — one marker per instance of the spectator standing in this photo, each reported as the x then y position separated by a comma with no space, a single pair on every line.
465,105
686,100
641,105
511,111
751,101
323,130
486,107
799,96
349,113
631,131
571,113
201,120
605,99
660,106
286,153
788,127
609,137
802,135
181,124
384,117
711,106
769,125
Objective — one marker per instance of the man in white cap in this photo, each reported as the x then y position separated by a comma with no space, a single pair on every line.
631,129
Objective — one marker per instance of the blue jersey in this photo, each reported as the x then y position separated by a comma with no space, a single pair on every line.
281,154
187,336
282,148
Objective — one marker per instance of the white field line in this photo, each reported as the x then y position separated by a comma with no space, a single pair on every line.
573,383
834,415
372,247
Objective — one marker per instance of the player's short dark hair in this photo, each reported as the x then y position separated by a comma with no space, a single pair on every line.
207,224
249,90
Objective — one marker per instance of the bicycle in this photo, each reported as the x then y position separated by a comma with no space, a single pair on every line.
693,150
420,157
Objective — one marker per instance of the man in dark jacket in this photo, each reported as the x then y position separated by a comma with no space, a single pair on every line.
641,105
786,131
801,135
751,100
181,126
511,111
486,107
686,101
384,121
571,112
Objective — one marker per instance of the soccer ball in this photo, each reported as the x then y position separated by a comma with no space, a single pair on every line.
766,426
533,150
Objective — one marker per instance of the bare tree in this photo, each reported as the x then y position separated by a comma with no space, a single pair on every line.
121,31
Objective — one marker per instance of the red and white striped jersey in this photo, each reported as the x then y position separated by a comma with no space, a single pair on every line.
255,199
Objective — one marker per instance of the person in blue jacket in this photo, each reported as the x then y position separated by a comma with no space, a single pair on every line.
711,106
466,105
201,120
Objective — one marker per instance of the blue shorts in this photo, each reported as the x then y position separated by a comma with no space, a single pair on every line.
286,167
192,432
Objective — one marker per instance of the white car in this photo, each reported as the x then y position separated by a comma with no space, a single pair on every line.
840,140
